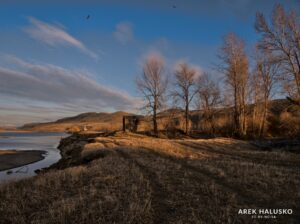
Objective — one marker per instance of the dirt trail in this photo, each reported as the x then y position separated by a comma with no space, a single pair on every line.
200,175
161,209
241,155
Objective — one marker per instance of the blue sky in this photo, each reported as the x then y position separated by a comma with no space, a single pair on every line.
55,63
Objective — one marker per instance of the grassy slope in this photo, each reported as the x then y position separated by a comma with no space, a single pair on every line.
128,178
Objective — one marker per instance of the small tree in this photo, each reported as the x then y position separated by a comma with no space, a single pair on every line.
153,85
186,88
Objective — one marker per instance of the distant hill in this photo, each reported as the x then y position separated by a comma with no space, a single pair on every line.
113,121
91,120
8,129
94,117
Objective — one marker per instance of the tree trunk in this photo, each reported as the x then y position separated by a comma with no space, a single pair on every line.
155,123
236,112
244,121
212,125
264,117
254,114
186,119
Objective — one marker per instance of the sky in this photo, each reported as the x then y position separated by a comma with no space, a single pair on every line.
62,58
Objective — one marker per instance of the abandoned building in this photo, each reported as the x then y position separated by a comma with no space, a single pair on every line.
131,122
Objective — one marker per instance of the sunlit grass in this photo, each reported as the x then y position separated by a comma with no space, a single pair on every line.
130,178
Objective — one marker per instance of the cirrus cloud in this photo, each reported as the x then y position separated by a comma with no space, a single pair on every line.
54,35
72,89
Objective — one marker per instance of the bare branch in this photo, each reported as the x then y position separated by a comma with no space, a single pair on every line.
153,86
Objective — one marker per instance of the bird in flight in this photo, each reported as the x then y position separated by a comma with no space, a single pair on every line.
88,17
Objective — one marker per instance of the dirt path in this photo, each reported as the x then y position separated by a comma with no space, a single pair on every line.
200,174
196,176
165,203
242,156
161,209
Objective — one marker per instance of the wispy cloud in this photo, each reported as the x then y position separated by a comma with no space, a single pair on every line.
54,35
124,32
70,89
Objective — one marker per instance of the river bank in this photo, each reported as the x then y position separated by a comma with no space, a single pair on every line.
10,159
29,152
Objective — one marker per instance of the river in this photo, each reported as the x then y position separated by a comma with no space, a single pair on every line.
44,141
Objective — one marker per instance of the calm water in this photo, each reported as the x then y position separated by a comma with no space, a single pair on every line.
47,142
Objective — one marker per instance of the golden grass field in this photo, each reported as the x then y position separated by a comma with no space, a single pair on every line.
128,178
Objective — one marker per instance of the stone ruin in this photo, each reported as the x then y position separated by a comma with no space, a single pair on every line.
131,122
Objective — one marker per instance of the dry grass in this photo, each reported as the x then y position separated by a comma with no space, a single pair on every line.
106,191
147,180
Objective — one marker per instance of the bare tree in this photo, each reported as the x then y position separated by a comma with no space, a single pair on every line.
255,96
235,69
266,75
209,98
186,88
153,86
282,38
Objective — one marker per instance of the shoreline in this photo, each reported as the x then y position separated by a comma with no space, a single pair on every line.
14,131
71,147
10,159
